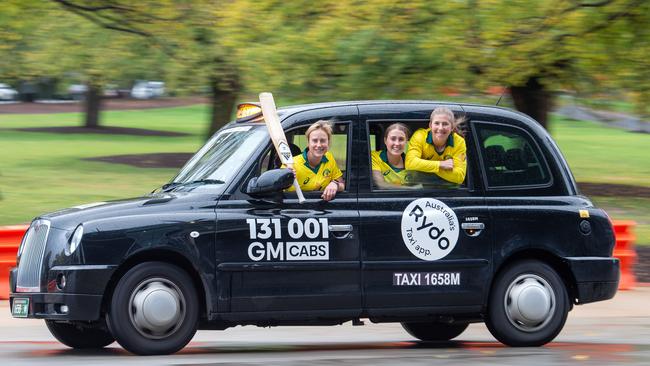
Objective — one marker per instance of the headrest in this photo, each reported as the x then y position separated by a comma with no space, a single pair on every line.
515,159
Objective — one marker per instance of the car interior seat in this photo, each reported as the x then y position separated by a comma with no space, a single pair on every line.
495,156
515,160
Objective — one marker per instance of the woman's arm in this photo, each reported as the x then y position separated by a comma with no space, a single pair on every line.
331,189
340,183
414,160
380,182
457,173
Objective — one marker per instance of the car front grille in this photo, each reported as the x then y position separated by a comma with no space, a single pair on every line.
31,257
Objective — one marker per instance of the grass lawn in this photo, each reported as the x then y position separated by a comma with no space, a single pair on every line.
614,104
43,172
601,154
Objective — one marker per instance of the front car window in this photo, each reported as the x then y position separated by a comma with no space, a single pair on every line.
223,156
298,142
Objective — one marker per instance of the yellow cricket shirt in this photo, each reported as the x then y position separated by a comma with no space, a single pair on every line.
318,178
390,173
422,156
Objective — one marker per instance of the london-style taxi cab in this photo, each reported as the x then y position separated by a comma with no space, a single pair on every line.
514,245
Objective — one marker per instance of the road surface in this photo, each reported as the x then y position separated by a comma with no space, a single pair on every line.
605,333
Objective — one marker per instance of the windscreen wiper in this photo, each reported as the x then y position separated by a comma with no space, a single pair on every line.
169,186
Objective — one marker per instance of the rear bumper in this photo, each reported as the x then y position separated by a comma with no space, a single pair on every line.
596,278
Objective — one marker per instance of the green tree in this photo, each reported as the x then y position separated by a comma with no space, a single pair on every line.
348,49
45,41
94,56
17,20
537,47
189,35
616,54
398,49
105,49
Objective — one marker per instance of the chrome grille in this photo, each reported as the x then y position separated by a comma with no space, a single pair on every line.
31,257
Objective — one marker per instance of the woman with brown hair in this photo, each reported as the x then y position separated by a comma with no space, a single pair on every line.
388,168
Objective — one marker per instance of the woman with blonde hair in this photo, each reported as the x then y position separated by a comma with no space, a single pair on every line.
315,168
438,149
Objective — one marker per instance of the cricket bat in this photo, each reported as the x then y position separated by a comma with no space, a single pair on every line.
277,136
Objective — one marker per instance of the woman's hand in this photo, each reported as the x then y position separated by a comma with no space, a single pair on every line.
330,191
447,164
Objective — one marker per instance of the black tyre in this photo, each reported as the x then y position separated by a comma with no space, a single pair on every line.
435,332
154,309
76,336
528,305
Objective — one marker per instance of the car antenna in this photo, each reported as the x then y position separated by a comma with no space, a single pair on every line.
503,90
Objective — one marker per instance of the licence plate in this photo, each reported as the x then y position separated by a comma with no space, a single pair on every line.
20,308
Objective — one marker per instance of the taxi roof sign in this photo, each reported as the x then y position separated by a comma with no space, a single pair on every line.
248,112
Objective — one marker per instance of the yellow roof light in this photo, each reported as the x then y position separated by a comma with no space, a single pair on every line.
248,111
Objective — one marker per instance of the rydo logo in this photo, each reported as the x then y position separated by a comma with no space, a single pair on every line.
429,229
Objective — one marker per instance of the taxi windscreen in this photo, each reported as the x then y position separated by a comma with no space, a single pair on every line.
223,155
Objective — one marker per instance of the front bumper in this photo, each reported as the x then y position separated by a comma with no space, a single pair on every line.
48,306
82,295
596,278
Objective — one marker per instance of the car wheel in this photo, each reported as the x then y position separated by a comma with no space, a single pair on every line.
76,336
434,331
528,305
154,309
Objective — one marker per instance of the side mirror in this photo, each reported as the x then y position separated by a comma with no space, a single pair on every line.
270,184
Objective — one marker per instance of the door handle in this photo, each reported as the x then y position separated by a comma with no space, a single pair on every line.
341,231
472,228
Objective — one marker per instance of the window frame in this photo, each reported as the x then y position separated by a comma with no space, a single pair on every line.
477,125
313,194
462,190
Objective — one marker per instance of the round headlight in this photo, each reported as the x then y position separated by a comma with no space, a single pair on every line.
75,239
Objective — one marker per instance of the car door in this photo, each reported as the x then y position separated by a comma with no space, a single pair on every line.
426,248
522,190
301,258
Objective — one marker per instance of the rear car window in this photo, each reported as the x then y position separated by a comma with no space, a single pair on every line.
510,157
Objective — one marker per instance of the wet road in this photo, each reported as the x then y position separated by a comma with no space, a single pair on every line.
613,332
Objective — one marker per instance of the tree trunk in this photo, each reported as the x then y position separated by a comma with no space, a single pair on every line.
92,106
533,99
223,103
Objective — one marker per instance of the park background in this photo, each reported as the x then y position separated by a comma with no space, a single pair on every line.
581,68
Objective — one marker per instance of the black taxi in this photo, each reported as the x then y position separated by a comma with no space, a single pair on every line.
515,245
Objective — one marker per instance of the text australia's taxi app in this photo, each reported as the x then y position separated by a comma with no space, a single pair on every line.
300,240
429,229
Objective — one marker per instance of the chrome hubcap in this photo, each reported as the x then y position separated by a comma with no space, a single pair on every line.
157,308
529,303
